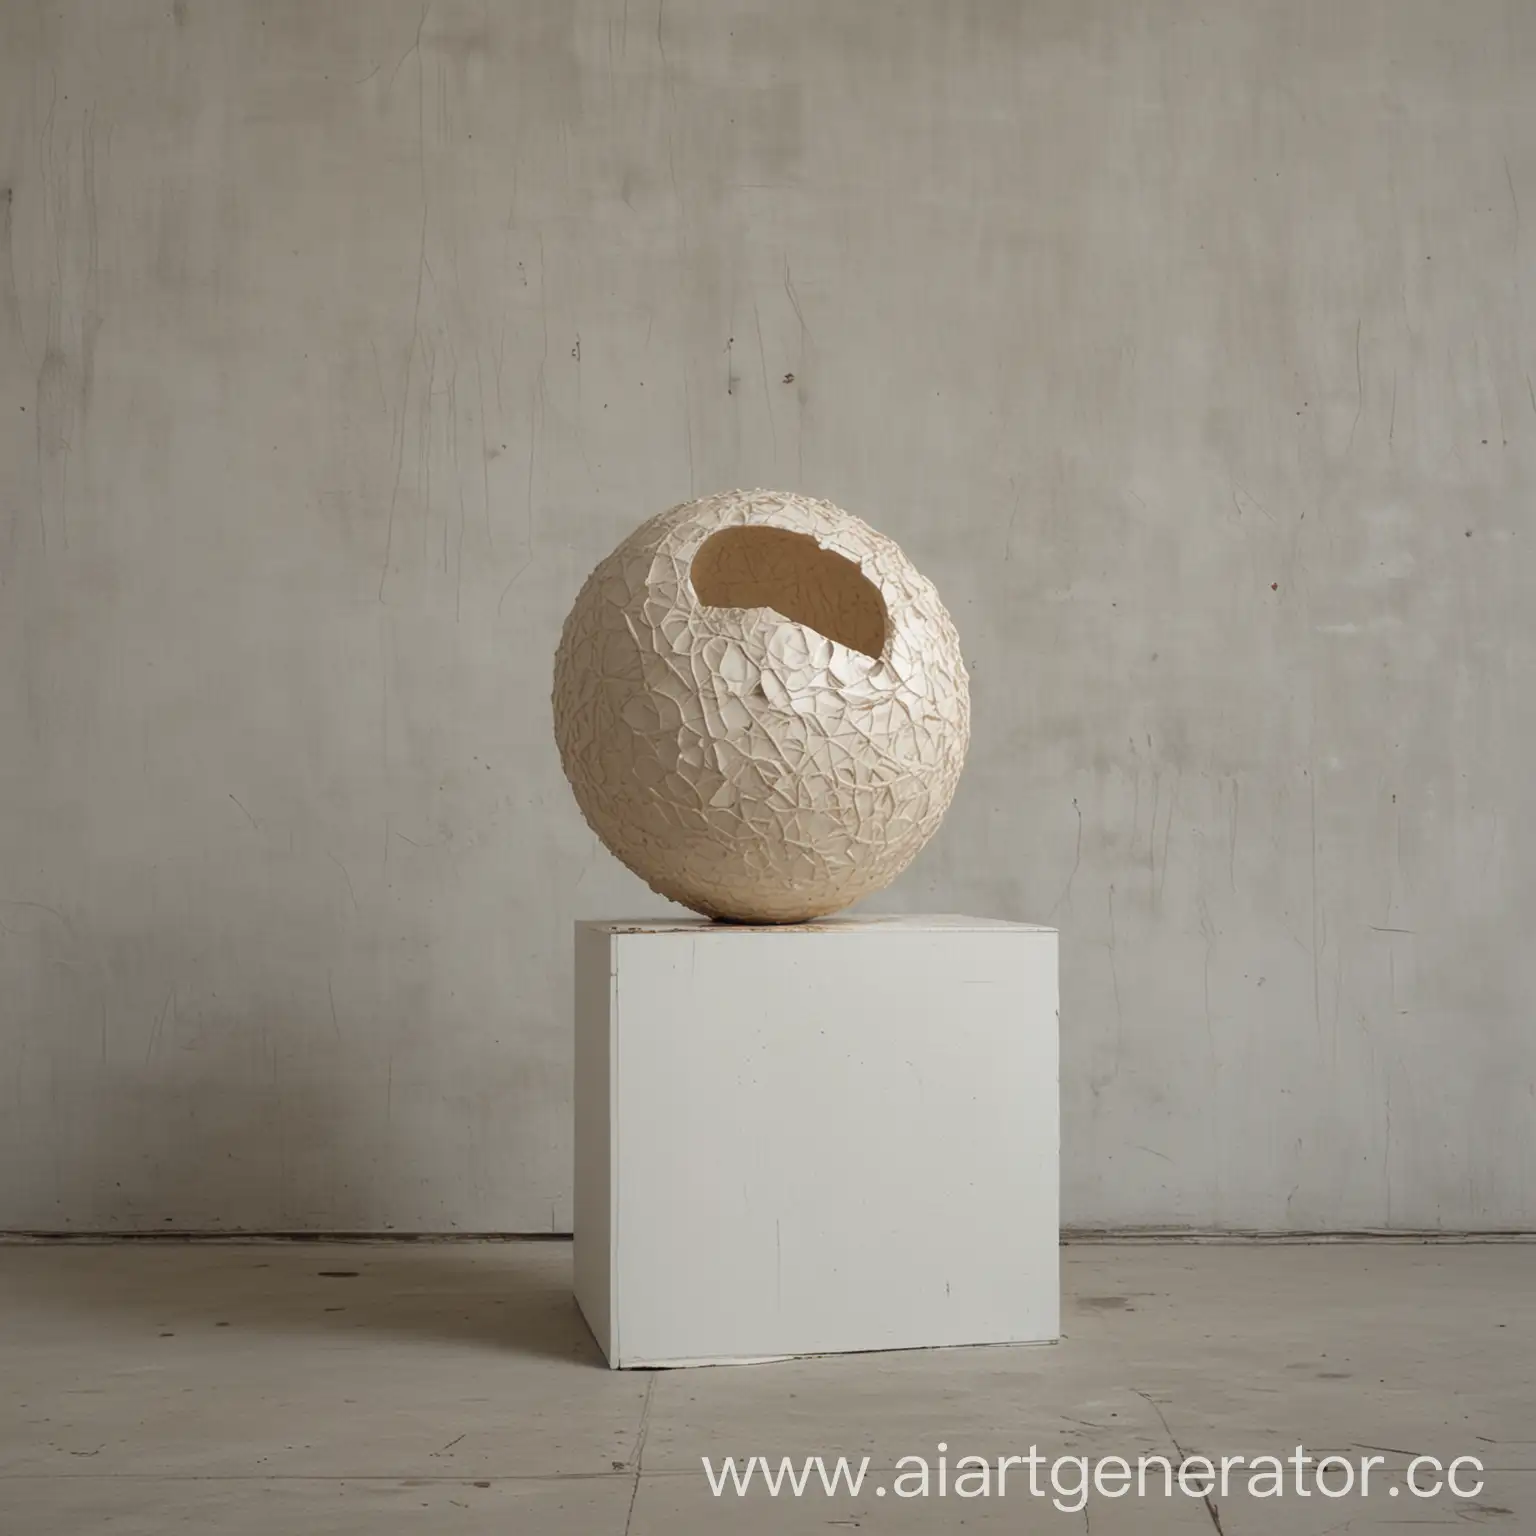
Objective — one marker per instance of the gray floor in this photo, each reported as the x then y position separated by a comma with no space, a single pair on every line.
304,1388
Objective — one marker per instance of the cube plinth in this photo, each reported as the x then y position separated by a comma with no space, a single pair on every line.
815,1139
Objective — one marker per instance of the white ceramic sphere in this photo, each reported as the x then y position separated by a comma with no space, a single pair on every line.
761,706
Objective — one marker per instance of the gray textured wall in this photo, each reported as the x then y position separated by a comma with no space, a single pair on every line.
1188,347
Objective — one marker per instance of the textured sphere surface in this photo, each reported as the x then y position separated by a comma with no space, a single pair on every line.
761,706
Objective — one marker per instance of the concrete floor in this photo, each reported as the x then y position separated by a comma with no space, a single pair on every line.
306,1388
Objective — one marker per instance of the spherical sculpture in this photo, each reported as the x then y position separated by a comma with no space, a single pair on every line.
761,706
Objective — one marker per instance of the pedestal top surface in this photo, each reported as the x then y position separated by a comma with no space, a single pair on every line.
899,922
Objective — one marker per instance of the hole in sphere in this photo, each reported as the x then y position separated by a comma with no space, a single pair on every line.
793,575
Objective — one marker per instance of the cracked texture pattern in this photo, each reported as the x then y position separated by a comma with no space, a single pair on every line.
761,706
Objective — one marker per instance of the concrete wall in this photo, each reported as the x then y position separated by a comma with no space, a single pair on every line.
1188,347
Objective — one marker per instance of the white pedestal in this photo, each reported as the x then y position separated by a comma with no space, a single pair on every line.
815,1139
